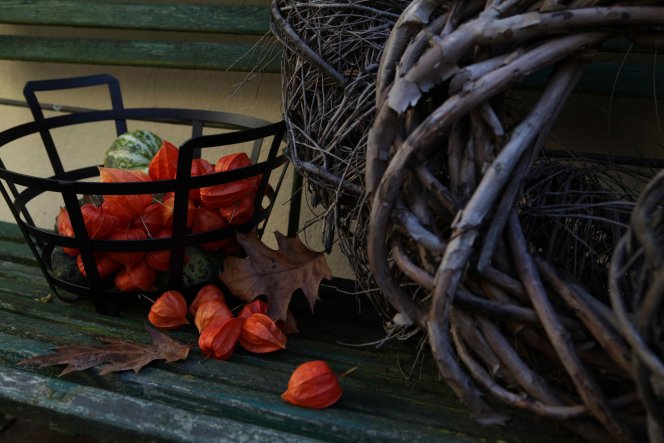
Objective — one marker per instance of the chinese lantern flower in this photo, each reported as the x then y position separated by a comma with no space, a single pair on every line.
209,311
261,335
219,338
206,293
135,277
313,385
256,306
169,311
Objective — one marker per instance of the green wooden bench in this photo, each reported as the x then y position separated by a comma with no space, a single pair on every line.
235,400
189,36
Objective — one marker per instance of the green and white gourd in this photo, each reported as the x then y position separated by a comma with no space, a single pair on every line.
133,150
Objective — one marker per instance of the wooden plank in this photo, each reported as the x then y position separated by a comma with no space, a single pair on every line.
164,54
249,385
10,231
225,19
631,80
83,408
240,392
621,45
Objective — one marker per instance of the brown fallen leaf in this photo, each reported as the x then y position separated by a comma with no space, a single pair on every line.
276,274
118,355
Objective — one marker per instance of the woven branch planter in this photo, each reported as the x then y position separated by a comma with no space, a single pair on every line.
515,300
329,66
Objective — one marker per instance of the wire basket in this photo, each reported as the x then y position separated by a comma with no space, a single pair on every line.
20,189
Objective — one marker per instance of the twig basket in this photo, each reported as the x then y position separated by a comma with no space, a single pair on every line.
69,185
464,205
329,65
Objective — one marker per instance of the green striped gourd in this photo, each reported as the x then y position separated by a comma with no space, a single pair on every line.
132,150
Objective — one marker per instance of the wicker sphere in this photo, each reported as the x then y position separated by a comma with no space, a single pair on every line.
510,248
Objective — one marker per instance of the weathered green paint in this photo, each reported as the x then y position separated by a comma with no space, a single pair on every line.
123,415
628,80
222,19
164,54
201,400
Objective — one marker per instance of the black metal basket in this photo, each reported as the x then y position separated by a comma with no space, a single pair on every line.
70,184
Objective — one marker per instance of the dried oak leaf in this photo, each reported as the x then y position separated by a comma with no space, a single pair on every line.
118,355
275,274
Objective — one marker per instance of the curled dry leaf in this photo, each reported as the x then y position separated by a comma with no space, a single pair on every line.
256,306
118,355
261,335
206,293
169,311
209,311
276,274
219,338
313,385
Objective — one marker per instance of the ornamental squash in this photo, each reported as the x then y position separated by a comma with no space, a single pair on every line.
133,150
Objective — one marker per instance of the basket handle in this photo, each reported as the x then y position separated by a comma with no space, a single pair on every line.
70,83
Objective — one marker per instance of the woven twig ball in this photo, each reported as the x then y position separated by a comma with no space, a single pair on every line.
510,248
637,293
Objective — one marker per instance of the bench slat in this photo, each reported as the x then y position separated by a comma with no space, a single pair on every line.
122,415
631,79
247,389
224,19
165,54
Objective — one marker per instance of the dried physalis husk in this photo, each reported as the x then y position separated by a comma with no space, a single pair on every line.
169,311
219,338
207,292
313,385
256,306
260,334
211,310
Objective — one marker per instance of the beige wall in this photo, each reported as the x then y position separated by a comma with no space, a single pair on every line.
84,145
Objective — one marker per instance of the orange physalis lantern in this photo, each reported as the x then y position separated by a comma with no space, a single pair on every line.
209,311
219,338
313,385
164,165
169,311
139,276
206,293
260,334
